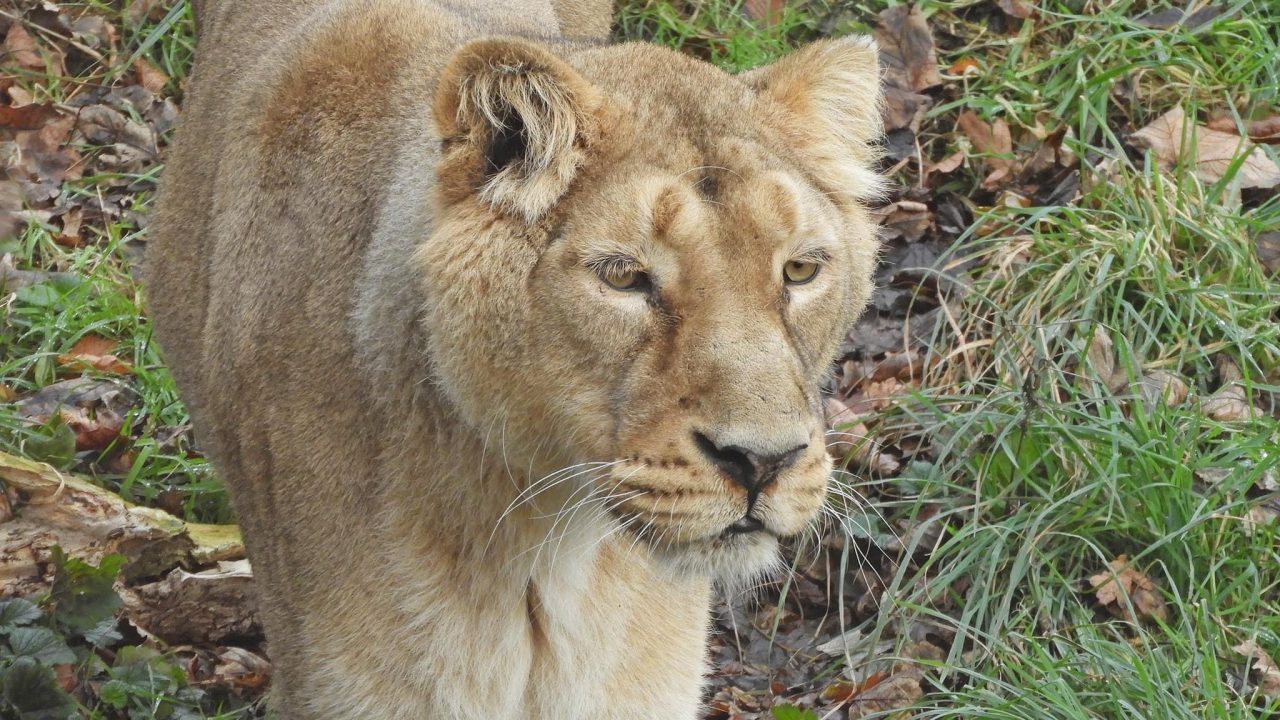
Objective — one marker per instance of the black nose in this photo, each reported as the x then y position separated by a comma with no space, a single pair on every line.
750,469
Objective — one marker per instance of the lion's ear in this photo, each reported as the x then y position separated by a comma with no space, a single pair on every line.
830,90
516,121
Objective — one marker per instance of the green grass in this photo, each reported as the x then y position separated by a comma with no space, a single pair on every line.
46,320
1041,474
1045,475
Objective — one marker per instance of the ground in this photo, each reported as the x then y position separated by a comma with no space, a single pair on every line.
1060,421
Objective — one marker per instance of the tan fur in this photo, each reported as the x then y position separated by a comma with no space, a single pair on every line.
466,467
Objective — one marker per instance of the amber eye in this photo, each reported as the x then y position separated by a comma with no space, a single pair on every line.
623,278
799,272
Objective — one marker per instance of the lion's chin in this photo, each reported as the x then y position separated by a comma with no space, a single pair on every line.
728,560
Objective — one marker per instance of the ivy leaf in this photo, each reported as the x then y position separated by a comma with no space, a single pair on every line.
83,594
17,612
40,644
32,690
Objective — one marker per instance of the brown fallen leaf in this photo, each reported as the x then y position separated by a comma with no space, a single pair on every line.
945,166
1127,593
32,116
965,66
1265,131
1267,246
1101,359
93,430
1171,138
906,49
21,49
94,409
103,125
242,671
1018,8
142,10
765,12
1173,17
994,142
149,76
903,108
1230,403
905,219
70,235
874,396
1265,669
1256,517
1162,387
10,204
897,692
93,352
839,691
46,159
94,31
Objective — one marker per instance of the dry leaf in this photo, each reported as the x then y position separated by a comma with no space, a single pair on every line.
1162,387
1267,246
1017,8
92,352
1266,131
70,236
46,160
964,66
895,693
765,12
1213,153
1121,586
26,117
946,165
1173,17
21,49
906,48
103,125
1101,358
1229,403
149,76
1257,516
903,108
995,142
904,219
1268,674
10,204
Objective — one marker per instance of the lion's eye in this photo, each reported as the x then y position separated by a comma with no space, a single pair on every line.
624,278
799,272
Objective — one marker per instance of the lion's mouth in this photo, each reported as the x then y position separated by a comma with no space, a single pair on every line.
745,525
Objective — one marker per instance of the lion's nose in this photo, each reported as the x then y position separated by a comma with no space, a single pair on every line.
752,469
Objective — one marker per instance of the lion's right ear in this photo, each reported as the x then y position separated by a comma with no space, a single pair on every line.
516,121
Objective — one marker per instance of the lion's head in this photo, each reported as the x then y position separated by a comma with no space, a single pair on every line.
642,266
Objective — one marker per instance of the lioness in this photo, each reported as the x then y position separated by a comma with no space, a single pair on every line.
507,341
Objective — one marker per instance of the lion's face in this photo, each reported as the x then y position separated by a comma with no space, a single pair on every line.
666,318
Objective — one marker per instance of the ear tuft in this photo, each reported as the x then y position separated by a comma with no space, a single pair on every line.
517,120
831,90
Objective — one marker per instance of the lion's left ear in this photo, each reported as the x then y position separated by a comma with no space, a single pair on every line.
830,90
516,120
